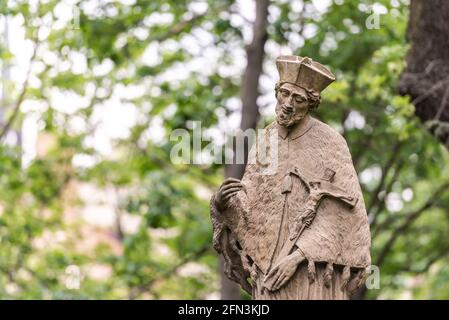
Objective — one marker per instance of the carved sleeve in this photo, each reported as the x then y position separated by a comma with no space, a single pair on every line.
225,243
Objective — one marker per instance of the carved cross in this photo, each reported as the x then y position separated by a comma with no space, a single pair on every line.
318,189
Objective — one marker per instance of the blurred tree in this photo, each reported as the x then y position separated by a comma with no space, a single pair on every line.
426,78
249,93
150,67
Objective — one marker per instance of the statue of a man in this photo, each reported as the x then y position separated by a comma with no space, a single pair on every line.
299,231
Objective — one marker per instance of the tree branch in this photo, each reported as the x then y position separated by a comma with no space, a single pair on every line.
21,97
137,291
365,145
385,170
388,188
410,218
437,256
181,26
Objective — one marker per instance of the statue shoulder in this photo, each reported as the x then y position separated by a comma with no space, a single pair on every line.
327,132
273,125
268,130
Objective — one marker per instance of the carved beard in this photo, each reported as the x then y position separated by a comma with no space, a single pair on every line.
286,119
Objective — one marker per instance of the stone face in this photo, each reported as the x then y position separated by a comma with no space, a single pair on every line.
296,226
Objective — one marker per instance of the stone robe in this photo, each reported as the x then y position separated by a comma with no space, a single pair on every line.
253,229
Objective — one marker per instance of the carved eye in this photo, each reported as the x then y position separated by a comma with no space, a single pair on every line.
299,99
284,93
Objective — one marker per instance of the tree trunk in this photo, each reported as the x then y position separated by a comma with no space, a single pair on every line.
426,77
250,112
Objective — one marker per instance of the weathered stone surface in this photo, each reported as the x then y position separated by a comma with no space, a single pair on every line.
299,229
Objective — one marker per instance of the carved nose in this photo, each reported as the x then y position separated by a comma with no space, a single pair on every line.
287,108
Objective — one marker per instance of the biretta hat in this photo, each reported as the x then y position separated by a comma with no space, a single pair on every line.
304,72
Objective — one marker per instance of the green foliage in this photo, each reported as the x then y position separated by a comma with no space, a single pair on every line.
141,54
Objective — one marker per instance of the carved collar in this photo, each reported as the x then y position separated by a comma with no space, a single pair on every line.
298,129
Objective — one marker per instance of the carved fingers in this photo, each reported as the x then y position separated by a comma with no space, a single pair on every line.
227,190
270,278
279,277
271,274
229,180
285,275
281,273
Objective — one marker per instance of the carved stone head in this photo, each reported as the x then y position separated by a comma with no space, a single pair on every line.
298,90
293,103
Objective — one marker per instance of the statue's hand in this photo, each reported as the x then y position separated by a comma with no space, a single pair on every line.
283,271
227,190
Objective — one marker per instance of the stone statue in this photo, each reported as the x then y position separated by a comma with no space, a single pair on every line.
300,231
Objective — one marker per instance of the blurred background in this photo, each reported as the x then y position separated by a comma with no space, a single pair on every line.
91,207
